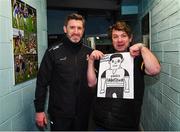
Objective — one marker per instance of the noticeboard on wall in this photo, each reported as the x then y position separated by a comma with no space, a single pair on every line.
24,22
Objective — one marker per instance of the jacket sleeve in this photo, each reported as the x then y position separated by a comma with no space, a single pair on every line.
43,80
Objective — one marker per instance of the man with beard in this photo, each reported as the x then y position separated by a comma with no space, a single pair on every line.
64,70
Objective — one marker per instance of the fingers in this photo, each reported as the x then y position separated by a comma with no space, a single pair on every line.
135,50
135,53
41,119
96,55
40,123
45,121
87,57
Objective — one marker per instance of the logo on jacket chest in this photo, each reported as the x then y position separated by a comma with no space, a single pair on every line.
63,58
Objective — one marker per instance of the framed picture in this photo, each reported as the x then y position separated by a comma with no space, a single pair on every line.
24,23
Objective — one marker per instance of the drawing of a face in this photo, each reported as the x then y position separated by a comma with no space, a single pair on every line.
115,63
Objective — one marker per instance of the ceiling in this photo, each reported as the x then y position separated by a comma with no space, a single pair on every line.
83,4
92,7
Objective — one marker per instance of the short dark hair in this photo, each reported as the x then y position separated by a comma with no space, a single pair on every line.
116,55
120,26
74,16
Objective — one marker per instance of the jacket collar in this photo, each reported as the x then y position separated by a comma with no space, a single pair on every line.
73,47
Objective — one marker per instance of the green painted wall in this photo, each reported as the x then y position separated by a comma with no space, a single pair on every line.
161,108
16,101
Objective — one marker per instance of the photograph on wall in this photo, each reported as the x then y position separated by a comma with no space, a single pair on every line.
24,41
115,77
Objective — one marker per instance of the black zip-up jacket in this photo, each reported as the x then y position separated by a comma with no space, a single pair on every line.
64,70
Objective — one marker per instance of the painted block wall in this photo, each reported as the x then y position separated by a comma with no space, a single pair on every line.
161,106
16,102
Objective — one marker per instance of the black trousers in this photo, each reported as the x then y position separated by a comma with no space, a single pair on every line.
69,124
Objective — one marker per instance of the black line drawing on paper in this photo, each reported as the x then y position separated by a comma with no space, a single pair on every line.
115,81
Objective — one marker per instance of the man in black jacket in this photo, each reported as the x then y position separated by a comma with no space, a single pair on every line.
118,113
64,69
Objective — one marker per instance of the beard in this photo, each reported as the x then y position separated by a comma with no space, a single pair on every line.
75,38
